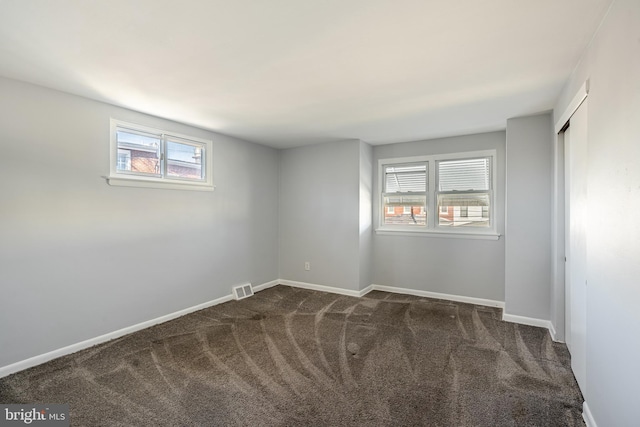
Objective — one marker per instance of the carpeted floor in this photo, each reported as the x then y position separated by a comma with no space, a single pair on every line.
294,357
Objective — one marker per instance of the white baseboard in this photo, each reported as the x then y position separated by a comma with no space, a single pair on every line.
587,416
531,321
366,290
437,295
374,287
266,285
323,288
471,300
552,331
42,358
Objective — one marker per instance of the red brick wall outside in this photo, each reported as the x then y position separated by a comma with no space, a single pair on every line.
399,217
144,161
183,172
147,162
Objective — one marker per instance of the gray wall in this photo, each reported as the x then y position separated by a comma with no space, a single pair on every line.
528,209
79,258
473,268
319,214
612,63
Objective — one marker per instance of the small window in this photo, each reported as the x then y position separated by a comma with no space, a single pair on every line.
405,188
464,187
146,157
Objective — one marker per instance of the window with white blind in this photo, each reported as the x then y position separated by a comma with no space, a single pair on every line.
405,194
450,194
464,190
148,157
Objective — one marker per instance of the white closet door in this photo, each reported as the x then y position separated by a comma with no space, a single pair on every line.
576,158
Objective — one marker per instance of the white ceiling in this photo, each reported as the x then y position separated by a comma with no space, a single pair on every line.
293,72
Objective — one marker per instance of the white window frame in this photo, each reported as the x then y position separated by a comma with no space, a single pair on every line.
127,179
432,228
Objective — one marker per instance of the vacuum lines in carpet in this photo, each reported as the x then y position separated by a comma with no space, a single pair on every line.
296,357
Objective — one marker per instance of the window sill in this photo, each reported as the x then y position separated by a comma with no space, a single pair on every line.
439,234
164,184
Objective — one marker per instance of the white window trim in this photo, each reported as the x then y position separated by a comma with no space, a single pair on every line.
128,180
432,229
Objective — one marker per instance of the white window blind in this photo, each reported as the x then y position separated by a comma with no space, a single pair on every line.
410,178
465,175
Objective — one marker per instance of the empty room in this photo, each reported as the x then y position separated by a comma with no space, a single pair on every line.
320,212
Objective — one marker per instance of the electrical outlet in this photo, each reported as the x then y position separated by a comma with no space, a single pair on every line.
307,265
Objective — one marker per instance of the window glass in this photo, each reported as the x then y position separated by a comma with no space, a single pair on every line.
405,210
124,160
464,187
405,196
141,150
462,196
184,160
463,210
142,156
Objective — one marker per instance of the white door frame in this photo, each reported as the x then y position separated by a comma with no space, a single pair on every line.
558,218
561,306
558,256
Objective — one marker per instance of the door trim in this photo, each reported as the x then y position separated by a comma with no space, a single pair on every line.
572,107
558,215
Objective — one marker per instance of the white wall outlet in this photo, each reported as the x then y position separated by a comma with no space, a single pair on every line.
307,265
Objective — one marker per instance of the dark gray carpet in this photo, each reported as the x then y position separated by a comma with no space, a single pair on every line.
293,357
